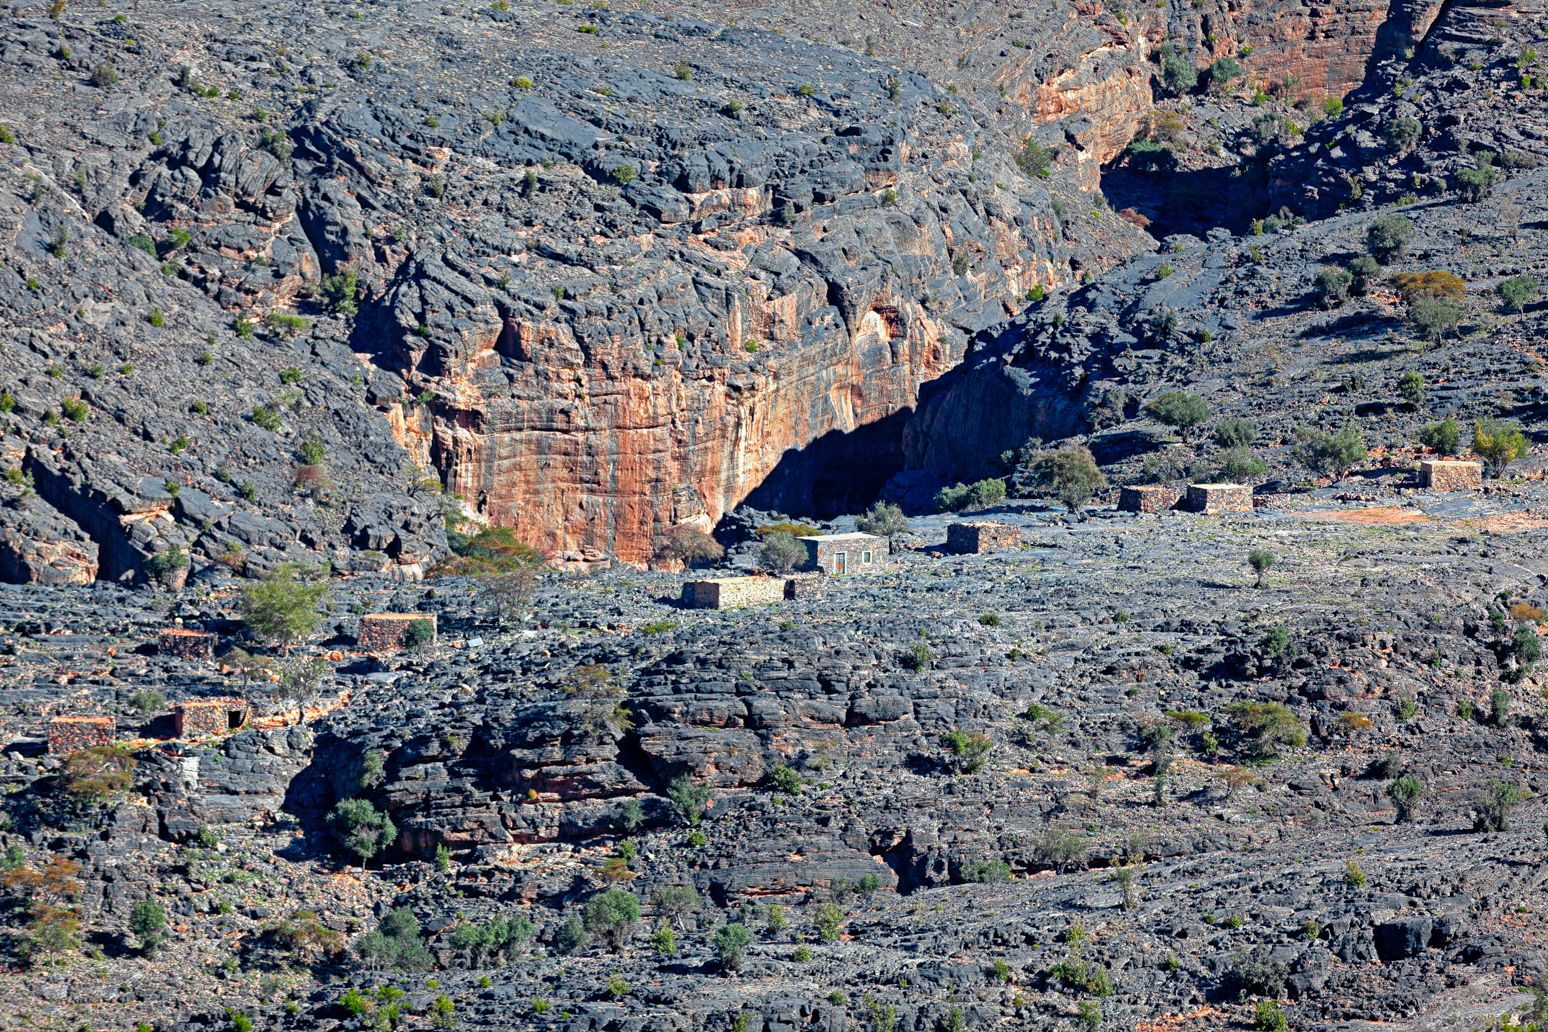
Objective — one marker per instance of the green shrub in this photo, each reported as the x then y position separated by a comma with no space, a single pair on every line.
1474,184
970,496
1444,437
361,828
1261,730
148,924
883,519
1235,433
966,753
74,409
1331,287
285,607
1331,454
340,293
1268,1017
730,942
1240,466
1260,559
1401,134
986,871
1404,793
1178,75
1517,292
784,779
1178,409
781,552
1034,158
1493,810
1366,271
690,797
396,942
1432,317
1388,237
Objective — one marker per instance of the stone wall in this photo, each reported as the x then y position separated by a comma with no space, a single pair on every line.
1149,498
72,734
1215,499
198,718
1450,475
388,632
733,592
186,644
983,536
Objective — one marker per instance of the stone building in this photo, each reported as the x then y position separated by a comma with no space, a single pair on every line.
1149,498
1215,499
734,592
842,554
185,643
982,536
389,632
200,718
73,734
1450,475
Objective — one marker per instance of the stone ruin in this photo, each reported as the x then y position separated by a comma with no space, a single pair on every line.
184,643
737,592
1149,498
1216,499
1450,475
202,718
979,537
388,632
68,735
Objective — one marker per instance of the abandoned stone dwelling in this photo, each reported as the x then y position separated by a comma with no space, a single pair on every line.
842,554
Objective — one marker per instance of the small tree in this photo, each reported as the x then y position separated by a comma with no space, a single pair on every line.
1444,437
1260,559
731,942
1331,287
148,925
1178,75
1332,454
1432,317
1235,433
507,570
1517,292
299,683
1404,793
361,828
340,293
781,552
884,520
1178,409
1261,729
1474,184
1388,237
1366,272
1072,474
611,914
1222,72
689,545
690,797
1493,810
285,608
1498,442
1410,387
1401,134
1240,466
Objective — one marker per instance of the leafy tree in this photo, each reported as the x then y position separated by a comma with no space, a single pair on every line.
1444,437
507,569
978,495
1499,442
611,914
1178,75
884,520
397,942
1404,793
1388,237
781,552
1260,559
1331,454
731,942
1410,388
1433,317
1072,474
1260,730
690,797
148,924
361,828
1331,287
285,608
690,546
676,903
1178,409
1517,292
